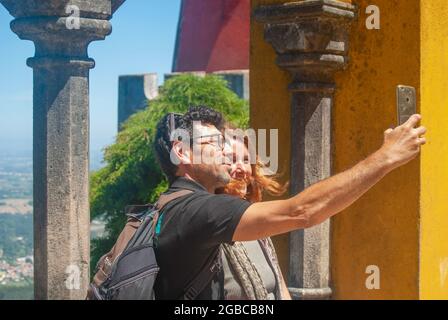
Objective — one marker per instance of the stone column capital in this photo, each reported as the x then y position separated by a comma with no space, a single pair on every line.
48,25
98,9
310,37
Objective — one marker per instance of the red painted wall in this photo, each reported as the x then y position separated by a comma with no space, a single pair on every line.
213,35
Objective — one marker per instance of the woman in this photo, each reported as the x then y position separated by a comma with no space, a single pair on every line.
251,269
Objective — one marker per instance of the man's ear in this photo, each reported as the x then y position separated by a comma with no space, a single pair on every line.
180,153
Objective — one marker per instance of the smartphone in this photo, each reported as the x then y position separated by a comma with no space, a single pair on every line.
406,103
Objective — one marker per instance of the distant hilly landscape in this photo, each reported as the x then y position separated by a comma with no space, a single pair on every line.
16,222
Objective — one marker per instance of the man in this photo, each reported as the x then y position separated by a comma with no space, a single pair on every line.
193,226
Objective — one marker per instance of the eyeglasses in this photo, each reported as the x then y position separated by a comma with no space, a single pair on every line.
219,142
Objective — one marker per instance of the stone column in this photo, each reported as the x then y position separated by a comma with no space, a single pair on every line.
61,136
311,42
134,93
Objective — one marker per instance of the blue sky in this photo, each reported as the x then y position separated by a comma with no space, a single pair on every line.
142,41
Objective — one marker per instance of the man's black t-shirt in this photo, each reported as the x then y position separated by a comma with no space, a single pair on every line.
192,228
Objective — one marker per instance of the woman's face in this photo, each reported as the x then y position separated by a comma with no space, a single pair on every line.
241,168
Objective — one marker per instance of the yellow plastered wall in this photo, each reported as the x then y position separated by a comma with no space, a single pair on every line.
434,163
401,225
382,228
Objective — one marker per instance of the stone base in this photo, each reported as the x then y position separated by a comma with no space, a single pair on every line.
310,293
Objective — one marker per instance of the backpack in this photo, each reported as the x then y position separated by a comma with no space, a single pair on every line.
129,270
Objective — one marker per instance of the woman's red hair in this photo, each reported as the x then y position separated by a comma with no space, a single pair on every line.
258,184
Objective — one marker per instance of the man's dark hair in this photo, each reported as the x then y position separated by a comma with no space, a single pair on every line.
170,122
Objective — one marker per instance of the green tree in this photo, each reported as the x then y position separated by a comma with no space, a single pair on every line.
131,174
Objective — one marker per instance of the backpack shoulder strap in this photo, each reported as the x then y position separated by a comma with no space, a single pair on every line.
205,276
213,264
165,198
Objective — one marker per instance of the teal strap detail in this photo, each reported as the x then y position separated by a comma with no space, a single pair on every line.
159,224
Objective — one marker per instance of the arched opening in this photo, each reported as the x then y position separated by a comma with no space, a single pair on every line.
143,41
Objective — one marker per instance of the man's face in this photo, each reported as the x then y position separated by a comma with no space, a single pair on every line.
210,156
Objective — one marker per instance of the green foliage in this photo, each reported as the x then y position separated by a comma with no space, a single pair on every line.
131,174
16,238
19,291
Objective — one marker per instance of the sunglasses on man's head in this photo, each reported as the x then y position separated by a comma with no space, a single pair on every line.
172,121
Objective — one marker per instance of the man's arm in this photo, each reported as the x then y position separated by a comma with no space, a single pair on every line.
329,197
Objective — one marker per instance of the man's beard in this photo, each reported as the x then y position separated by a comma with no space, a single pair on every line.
236,187
223,178
215,178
